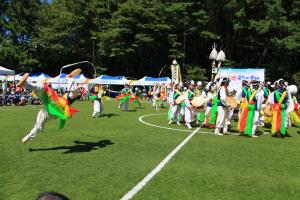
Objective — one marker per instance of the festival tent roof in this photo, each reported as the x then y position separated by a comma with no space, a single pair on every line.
2,77
109,80
39,77
80,78
16,77
6,71
152,81
60,78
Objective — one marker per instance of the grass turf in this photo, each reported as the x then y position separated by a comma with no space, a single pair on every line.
105,157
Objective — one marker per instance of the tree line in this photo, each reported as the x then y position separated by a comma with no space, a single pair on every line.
139,37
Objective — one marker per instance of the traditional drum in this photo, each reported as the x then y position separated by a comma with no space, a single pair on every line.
180,99
198,103
231,101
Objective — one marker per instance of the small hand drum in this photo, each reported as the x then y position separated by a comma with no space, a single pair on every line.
198,103
231,101
180,99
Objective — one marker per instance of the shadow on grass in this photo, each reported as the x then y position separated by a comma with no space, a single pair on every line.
129,110
79,147
109,115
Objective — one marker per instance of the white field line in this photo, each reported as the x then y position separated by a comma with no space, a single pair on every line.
141,119
147,178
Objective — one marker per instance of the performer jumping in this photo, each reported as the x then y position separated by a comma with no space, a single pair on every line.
55,106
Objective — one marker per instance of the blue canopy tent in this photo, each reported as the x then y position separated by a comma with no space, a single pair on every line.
109,80
152,81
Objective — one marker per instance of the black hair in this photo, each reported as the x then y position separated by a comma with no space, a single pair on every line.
51,196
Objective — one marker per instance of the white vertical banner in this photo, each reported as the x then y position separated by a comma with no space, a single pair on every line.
237,75
175,73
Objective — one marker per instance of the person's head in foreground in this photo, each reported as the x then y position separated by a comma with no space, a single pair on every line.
51,196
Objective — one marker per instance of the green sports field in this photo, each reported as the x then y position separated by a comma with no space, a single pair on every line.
105,157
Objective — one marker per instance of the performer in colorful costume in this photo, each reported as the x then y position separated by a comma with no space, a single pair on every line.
189,112
223,108
279,102
156,96
242,96
212,105
55,106
175,108
293,109
200,116
265,94
249,118
124,97
97,99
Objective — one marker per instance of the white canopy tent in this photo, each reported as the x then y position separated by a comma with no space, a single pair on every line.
16,77
41,77
3,77
80,78
152,81
6,71
109,80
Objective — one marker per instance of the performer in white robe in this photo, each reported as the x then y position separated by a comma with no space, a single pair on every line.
155,96
98,106
223,108
189,112
175,108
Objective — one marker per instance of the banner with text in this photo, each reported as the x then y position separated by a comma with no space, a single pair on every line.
237,75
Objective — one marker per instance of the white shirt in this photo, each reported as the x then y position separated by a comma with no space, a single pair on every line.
223,96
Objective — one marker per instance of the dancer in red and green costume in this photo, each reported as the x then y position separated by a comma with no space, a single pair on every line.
54,106
250,116
243,97
211,111
279,101
124,97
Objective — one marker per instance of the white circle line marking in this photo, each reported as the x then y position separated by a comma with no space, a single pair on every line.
147,178
163,127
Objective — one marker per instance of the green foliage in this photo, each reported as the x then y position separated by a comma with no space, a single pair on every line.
195,73
138,37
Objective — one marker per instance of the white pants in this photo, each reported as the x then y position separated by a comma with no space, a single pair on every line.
175,112
223,114
41,119
189,114
255,121
98,108
155,103
231,110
